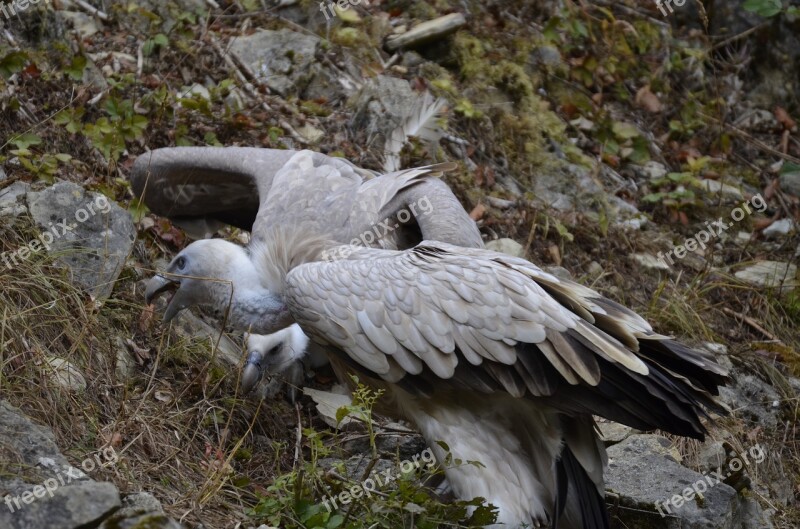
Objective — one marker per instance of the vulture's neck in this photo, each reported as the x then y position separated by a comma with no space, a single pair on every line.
259,303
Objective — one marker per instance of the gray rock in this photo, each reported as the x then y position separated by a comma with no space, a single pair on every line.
42,489
65,374
651,262
613,432
284,60
790,183
12,199
138,511
89,234
644,475
382,105
758,120
651,170
770,274
779,229
753,400
506,246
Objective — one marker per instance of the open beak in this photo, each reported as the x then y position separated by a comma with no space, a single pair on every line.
253,371
158,285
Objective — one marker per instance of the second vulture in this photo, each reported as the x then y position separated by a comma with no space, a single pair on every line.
502,361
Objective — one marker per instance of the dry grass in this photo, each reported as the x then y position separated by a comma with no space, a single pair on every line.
179,429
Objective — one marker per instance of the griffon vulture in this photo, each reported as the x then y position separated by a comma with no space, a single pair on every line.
201,188
486,352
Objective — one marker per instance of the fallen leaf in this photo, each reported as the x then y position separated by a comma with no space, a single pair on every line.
648,100
783,117
477,212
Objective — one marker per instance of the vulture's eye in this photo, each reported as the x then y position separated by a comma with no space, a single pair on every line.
180,263
274,351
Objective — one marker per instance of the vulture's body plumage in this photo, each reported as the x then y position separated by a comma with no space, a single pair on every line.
503,362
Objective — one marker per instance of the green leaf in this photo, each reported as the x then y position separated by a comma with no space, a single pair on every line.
76,67
12,63
624,131
336,521
23,141
765,8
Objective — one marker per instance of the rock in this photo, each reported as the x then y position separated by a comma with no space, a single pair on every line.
382,105
547,56
140,510
716,187
594,269
35,496
711,456
282,59
758,120
83,24
650,262
651,170
506,246
613,432
643,472
125,365
779,229
790,183
559,271
720,353
770,274
65,374
90,234
753,400
12,199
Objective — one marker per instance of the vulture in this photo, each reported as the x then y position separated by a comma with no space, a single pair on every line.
502,361
285,353
202,188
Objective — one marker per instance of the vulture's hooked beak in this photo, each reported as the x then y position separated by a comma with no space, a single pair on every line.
253,371
159,284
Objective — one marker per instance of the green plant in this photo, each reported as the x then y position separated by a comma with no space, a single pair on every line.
770,8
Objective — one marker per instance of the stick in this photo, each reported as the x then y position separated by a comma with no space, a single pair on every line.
752,323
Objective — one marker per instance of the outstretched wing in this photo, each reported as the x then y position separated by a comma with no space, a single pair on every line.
439,316
255,189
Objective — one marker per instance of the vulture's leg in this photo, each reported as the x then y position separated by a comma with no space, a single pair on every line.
521,449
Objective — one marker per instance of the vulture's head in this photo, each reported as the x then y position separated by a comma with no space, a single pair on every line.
272,354
206,273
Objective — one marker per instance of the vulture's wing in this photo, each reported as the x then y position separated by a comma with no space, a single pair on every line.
439,316
227,184
255,189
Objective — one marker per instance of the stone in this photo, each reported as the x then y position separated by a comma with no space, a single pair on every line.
382,105
770,274
790,183
752,400
716,187
12,199
281,59
90,235
31,460
140,510
779,229
644,474
650,262
613,432
65,374
506,246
